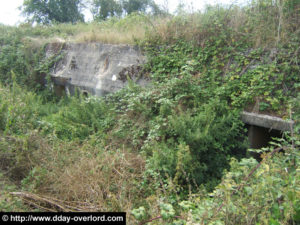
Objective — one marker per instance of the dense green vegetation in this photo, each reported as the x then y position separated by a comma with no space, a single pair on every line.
104,9
68,11
174,152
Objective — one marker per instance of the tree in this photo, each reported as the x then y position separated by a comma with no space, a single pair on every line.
131,6
102,9
49,11
156,9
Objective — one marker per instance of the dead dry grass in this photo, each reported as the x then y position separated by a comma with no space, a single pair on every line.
114,31
110,36
72,176
105,181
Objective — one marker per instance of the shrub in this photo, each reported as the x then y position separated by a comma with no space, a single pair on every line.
80,119
199,144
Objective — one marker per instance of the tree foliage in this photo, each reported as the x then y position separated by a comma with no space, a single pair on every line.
49,11
131,6
103,9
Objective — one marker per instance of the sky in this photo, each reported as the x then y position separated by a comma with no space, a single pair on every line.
10,15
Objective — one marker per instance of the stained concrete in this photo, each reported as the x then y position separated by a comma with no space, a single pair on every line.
262,128
95,68
266,121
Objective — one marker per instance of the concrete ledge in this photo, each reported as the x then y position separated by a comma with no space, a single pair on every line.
266,121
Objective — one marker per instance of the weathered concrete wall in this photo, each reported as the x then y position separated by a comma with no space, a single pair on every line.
95,68
266,121
262,128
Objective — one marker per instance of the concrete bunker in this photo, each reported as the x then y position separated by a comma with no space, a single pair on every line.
262,128
95,68
59,90
85,94
61,85
99,69
260,137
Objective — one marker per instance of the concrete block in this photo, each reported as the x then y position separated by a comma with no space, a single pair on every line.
267,121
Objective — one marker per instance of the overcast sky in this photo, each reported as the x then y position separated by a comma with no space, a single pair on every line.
10,15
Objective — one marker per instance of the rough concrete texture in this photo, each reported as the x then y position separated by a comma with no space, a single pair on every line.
95,68
266,121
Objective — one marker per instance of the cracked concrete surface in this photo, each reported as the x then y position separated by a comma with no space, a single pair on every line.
96,68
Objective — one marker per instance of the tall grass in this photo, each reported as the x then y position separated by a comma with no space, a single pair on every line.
113,31
262,23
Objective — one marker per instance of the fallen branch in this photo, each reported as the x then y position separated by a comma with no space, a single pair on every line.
51,204
32,198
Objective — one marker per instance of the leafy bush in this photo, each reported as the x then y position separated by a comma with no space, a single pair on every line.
182,133
234,73
250,193
80,119
199,144
21,111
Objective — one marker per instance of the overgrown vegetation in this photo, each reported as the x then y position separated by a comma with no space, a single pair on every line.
174,152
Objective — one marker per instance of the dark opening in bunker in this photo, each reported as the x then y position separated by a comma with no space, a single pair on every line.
260,137
263,128
85,94
59,90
